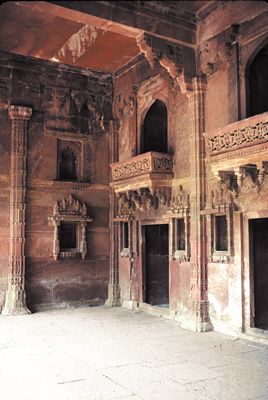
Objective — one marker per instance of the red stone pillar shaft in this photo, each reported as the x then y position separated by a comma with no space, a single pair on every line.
199,278
113,288
15,300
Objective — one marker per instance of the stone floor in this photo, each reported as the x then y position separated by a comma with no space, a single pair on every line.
108,354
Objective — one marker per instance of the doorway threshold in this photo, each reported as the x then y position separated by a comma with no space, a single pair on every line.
160,311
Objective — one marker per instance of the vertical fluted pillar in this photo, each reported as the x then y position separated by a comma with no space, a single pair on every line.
15,300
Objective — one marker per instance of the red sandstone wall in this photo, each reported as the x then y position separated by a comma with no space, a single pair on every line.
51,90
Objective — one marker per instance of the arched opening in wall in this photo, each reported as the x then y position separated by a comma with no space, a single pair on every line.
154,129
68,165
257,83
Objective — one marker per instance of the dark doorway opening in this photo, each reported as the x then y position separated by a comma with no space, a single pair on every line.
156,265
259,258
154,129
258,84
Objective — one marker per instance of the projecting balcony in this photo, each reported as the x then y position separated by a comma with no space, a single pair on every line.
148,170
240,143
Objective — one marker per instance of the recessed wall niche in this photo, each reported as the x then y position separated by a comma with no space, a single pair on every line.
69,162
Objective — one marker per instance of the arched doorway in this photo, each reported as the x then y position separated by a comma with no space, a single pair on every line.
154,129
258,83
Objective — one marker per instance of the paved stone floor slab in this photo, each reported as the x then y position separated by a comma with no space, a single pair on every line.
117,354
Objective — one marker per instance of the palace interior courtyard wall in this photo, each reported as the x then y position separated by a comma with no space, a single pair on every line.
139,183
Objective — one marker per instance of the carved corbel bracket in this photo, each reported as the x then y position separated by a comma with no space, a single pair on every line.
169,56
143,199
216,52
223,191
125,103
250,178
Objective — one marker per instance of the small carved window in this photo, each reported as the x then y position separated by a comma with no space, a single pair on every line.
68,236
221,233
181,239
68,165
70,220
181,245
124,239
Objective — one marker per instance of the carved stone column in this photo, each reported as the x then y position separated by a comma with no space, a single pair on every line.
114,298
199,280
15,301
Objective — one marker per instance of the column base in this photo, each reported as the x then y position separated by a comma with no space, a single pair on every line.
194,325
15,303
113,296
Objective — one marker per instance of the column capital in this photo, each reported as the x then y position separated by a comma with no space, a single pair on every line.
19,112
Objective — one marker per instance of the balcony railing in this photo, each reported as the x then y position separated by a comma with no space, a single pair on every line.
144,168
238,135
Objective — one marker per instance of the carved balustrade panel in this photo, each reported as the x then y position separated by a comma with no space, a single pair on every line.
148,163
248,132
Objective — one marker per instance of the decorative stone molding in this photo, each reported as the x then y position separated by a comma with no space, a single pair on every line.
70,210
15,300
70,185
147,163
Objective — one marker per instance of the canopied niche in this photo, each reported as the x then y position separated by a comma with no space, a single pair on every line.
257,85
70,220
69,160
154,129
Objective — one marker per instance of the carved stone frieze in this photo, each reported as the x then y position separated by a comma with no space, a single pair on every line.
70,210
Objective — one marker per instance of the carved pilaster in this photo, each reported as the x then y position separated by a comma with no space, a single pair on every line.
199,284
15,300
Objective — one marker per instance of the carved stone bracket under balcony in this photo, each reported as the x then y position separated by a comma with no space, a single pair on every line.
143,182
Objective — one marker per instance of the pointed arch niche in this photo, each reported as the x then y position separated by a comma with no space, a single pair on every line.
154,129
257,83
